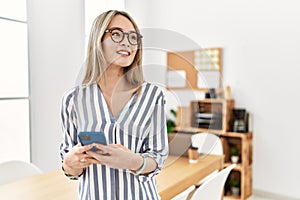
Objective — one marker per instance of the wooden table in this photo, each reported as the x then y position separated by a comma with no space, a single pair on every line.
176,176
47,186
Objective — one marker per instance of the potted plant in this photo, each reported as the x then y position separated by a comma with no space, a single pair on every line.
234,152
171,124
235,186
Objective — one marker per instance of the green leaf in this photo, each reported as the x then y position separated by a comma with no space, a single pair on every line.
235,182
173,112
234,151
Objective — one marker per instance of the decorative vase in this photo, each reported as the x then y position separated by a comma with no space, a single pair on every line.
234,159
235,191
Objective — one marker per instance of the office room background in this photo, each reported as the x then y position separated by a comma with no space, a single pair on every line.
261,45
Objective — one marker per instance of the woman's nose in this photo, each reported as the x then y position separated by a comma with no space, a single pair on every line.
125,41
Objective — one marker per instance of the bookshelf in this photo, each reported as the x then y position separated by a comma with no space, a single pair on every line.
243,170
186,122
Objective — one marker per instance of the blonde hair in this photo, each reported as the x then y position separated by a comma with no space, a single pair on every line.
96,62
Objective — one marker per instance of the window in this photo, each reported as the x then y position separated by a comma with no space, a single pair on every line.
14,83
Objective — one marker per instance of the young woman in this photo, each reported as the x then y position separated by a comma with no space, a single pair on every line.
114,99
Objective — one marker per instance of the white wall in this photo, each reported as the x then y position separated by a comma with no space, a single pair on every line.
261,45
261,59
56,42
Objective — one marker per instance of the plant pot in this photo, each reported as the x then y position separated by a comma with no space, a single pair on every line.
234,159
235,191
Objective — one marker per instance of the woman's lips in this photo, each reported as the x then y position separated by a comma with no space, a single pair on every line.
123,52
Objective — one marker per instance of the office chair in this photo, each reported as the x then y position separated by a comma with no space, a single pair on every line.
183,195
207,143
15,170
212,188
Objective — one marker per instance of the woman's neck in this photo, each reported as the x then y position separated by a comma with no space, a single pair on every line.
114,80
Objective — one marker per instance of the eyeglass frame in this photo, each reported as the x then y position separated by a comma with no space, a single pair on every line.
123,36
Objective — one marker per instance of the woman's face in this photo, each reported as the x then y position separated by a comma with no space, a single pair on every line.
119,53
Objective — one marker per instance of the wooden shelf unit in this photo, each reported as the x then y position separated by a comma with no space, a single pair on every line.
243,141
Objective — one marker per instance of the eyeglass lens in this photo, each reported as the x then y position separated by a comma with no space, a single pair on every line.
118,36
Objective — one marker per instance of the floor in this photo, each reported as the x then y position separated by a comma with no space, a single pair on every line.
270,197
259,198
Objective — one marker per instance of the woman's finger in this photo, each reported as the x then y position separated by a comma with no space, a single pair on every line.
116,145
98,156
83,149
92,154
91,160
100,146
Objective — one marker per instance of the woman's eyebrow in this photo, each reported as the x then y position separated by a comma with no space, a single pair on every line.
119,28
114,27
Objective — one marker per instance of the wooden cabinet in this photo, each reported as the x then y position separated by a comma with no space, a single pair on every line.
243,170
219,114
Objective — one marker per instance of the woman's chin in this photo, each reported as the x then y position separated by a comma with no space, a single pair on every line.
123,63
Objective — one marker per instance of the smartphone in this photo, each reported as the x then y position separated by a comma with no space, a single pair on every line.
86,138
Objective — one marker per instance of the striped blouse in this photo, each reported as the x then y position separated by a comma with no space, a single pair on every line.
140,126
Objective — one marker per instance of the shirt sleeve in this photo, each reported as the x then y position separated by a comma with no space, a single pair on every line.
69,124
156,143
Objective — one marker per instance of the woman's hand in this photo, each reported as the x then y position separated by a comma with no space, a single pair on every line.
77,159
116,156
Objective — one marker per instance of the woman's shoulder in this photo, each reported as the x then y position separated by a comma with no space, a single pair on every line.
159,89
154,86
73,92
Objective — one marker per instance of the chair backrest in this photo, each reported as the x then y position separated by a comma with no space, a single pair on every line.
15,170
212,188
207,143
183,195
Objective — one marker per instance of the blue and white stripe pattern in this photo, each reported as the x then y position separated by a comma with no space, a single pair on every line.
139,126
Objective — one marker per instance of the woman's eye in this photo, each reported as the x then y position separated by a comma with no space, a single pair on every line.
116,34
133,37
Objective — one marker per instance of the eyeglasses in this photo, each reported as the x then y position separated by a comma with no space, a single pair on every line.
117,35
